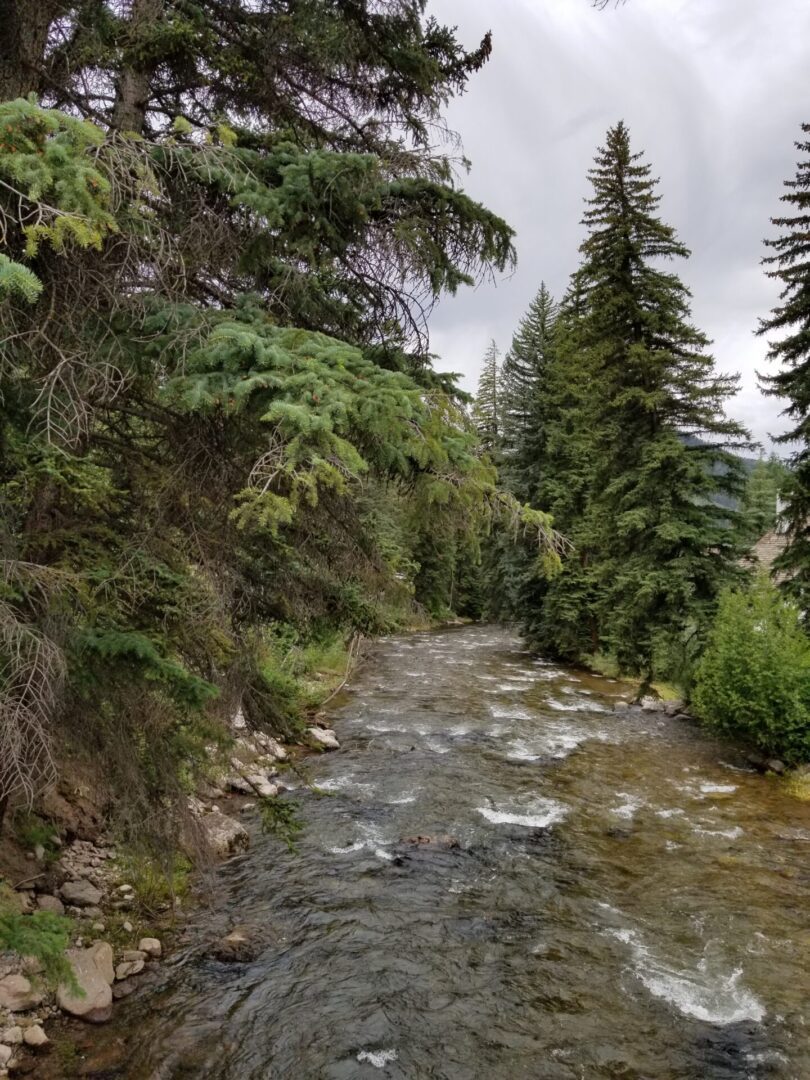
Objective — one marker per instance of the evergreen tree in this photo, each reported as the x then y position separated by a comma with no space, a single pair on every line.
761,498
664,545
488,401
649,438
558,614
524,378
789,264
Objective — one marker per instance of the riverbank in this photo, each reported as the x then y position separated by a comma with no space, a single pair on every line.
116,909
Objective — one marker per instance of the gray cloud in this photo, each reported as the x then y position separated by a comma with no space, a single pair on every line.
713,91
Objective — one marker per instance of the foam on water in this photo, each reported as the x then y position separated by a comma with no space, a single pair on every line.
436,747
344,783
627,809
378,1058
554,741
504,712
717,789
386,729
539,814
727,834
370,840
712,996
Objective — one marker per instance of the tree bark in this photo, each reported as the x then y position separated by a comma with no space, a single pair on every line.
24,29
134,83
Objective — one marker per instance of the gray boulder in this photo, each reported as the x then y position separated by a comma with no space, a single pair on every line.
94,972
81,893
323,738
46,902
17,994
224,835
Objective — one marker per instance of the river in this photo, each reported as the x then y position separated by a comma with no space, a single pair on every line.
611,894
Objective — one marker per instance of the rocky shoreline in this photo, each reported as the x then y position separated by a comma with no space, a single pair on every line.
114,947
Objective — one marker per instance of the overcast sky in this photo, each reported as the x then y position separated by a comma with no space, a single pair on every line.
713,91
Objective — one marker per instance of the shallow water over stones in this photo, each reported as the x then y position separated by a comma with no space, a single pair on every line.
610,895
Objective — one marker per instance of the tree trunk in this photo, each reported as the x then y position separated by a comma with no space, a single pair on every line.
24,28
134,83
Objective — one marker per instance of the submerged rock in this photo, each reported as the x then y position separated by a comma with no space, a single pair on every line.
437,841
94,972
235,948
128,968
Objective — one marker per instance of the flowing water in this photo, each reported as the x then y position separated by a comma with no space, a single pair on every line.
625,899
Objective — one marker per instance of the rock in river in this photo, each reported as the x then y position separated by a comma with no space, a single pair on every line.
94,972
224,835
323,738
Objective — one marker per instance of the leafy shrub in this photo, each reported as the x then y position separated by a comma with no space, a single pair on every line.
753,682
42,935
32,832
157,882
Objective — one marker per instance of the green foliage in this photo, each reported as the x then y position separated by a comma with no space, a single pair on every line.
44,160
789,264
759,507
218,412
488,403
524,398
17,281
630,446
753,682
32,832
280,818
43,936
157,882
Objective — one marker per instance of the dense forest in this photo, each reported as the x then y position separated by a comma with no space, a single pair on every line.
227,452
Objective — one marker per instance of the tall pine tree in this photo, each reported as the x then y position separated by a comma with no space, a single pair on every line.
664,545
558,615
790,320
640,435
524,379
488,404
